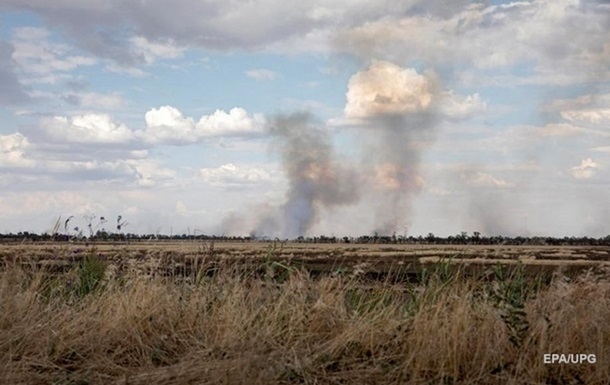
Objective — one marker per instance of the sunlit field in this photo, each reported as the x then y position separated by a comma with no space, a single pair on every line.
203,312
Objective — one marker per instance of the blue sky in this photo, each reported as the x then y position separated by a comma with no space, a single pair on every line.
305,119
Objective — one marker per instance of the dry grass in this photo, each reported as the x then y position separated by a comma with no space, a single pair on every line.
239,326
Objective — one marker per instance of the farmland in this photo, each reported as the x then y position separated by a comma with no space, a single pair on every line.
285,312
374,260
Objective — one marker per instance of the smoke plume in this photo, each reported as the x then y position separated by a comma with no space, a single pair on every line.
398,110
395,110
316,178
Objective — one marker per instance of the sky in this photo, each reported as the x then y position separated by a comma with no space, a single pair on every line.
284,119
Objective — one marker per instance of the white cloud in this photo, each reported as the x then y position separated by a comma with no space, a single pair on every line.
387,89
42,60
168,116
461,107
144,172
12,150
168,125
149,172
232,175
261,74
597,116
593,109
585,170
164,125
25,160
88,128
235,122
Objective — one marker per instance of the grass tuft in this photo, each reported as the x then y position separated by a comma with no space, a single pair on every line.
277,324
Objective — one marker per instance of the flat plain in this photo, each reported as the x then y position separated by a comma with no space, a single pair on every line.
287,312
171,258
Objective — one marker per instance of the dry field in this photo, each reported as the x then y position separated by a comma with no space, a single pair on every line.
248,313
180,258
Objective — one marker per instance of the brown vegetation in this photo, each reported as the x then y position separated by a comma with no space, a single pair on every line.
271,322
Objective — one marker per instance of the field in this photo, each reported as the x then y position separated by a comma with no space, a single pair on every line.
274,312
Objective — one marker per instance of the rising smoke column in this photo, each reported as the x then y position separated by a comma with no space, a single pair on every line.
397,111
398,108
316,178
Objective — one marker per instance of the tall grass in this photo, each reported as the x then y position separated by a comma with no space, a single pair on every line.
241,327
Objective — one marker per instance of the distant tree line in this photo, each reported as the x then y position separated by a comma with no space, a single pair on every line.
463,238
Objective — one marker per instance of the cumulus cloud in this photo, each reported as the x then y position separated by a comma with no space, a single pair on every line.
402,105
17,153
230,175
12,151
168,125
585,170
87,128
34,165
387,89
149,172
164,125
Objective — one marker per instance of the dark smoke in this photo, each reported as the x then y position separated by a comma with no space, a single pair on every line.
316,178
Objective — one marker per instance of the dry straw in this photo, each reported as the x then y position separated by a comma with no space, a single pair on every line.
247,326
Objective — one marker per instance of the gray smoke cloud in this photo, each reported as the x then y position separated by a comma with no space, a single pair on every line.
398,109
317,179
395,111
398,151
